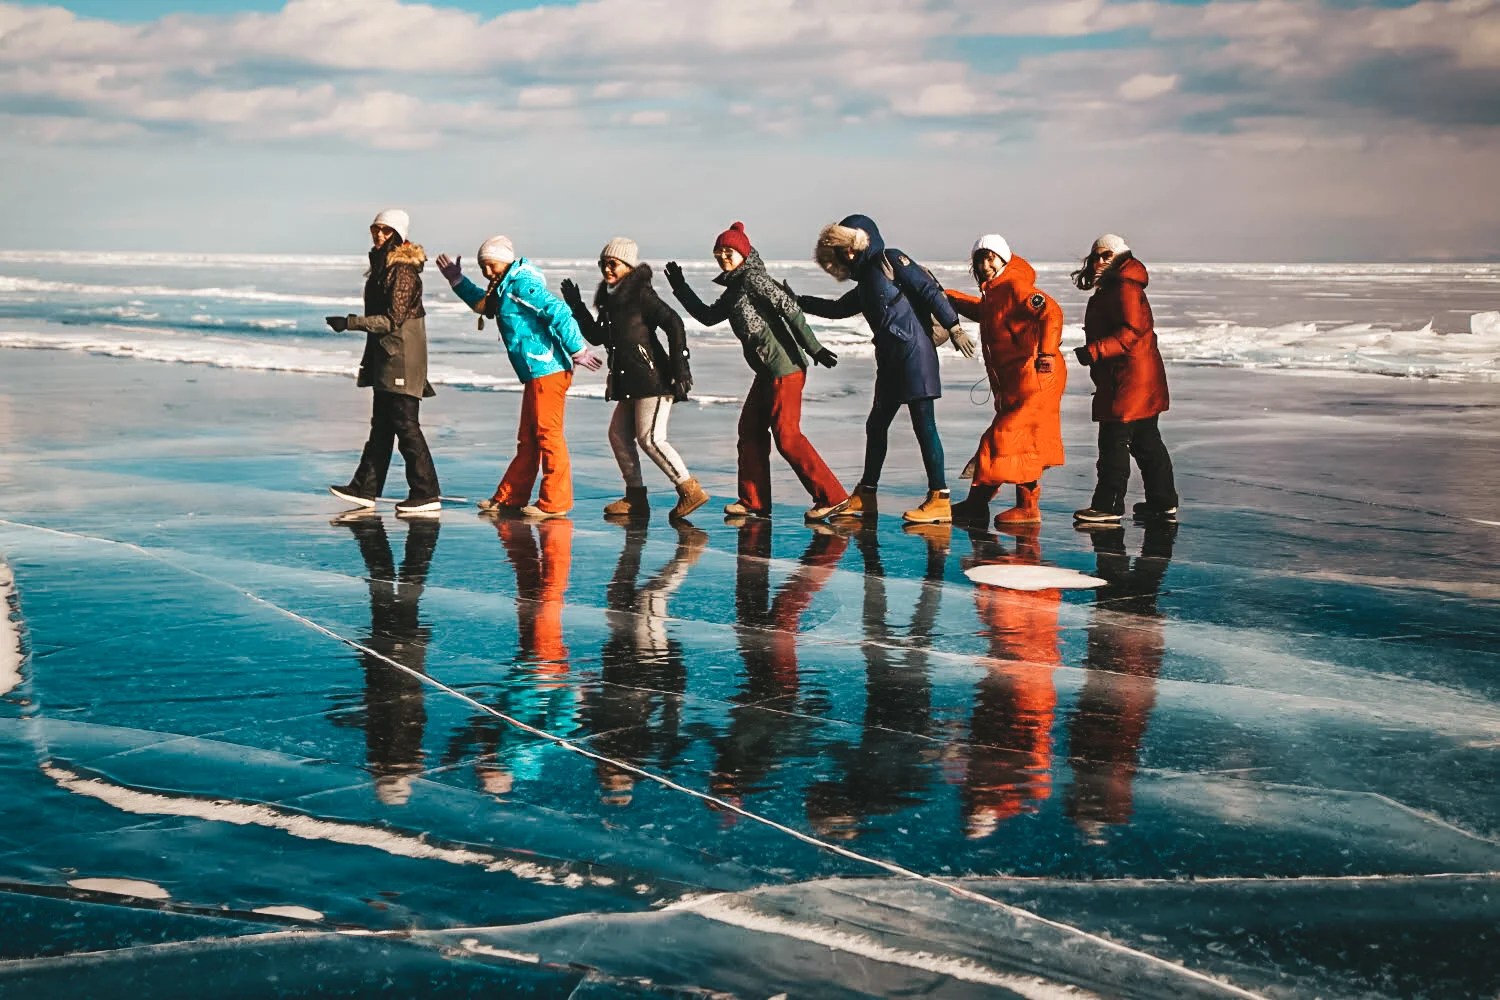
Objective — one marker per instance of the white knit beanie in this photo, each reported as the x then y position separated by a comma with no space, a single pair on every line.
1114,244
497,249
622,249
995,244
396,219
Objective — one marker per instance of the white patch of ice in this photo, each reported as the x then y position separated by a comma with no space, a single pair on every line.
298,825
472,944
11,655
122,887
1485,324
294,912
720,909
1031,578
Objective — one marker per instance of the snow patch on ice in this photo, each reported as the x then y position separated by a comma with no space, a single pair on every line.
722,910
122,887
12,649
472,944
1485,324
294,912
1031,578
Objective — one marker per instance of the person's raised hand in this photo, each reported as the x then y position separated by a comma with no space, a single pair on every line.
826,358
451,267
1044,364
338,324
1083,356
673,271
587,360
570,292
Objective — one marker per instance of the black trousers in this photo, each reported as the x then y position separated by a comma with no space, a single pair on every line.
1118,441
395,419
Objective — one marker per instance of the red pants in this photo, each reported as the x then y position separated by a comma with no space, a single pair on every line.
540,444
773,410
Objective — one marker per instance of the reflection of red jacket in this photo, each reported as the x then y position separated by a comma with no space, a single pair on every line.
1130,381
1016,323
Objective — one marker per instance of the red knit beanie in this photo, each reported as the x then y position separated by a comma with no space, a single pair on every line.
735,239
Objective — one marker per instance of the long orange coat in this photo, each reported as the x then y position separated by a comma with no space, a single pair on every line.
1016,324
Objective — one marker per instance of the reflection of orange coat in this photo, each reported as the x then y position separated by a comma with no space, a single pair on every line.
542,562
1010,766
1017,323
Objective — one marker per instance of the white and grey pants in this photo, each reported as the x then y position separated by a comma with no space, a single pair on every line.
644,422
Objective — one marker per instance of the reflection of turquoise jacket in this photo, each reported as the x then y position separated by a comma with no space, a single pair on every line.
538,329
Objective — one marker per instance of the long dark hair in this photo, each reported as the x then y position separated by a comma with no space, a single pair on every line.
1083,278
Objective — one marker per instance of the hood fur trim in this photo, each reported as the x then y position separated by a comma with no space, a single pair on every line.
833,239
407,253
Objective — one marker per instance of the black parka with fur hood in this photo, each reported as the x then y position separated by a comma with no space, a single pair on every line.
395,322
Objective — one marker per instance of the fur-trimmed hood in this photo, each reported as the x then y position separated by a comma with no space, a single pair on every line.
630,286
856,232
407,253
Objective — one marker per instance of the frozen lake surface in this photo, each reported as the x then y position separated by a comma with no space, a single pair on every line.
249,747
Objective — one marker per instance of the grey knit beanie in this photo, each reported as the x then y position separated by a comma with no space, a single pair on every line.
622,249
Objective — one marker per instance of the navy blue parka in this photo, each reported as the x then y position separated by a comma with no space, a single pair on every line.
899,299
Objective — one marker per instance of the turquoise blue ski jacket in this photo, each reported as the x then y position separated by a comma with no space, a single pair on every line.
538,329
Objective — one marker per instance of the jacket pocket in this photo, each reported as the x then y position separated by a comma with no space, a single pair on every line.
391,344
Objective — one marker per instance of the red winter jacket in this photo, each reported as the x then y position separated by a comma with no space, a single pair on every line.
1130,381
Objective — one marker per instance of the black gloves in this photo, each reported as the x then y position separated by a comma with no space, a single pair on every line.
570,292
338,324
674,274
1083,356
826,358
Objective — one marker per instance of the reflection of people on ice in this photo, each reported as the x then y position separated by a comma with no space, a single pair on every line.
1020,330
777,343
645,379
636,709
394,364
1130,385
890,767
900,300
765,722
1010,729
543,343
535,690
394,714
1125,648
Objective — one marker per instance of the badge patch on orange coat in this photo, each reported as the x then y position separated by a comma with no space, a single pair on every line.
1037,301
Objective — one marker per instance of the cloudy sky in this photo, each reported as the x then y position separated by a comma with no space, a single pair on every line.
1234,130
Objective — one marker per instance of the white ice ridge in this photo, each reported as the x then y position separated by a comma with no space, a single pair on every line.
12,649
1033,578
292,912
121,887
722,909
303,826
713,800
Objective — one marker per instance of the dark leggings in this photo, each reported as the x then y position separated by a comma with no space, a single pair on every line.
1118,442
923,421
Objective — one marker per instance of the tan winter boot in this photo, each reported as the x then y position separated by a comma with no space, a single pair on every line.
633,504
861,504
1026,510
936,509
690,497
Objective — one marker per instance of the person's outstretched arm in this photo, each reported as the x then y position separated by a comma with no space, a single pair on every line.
843,307
582,315
707,315
922,286
782,301
452,270
965,305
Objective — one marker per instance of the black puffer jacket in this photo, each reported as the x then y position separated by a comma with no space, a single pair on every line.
629,317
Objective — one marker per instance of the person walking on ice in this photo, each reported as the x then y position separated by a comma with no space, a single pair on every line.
774,336
394,364
1130,385
899,299
645,379
543,342
1020,333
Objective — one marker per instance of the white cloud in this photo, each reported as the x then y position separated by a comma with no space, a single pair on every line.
1144,86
